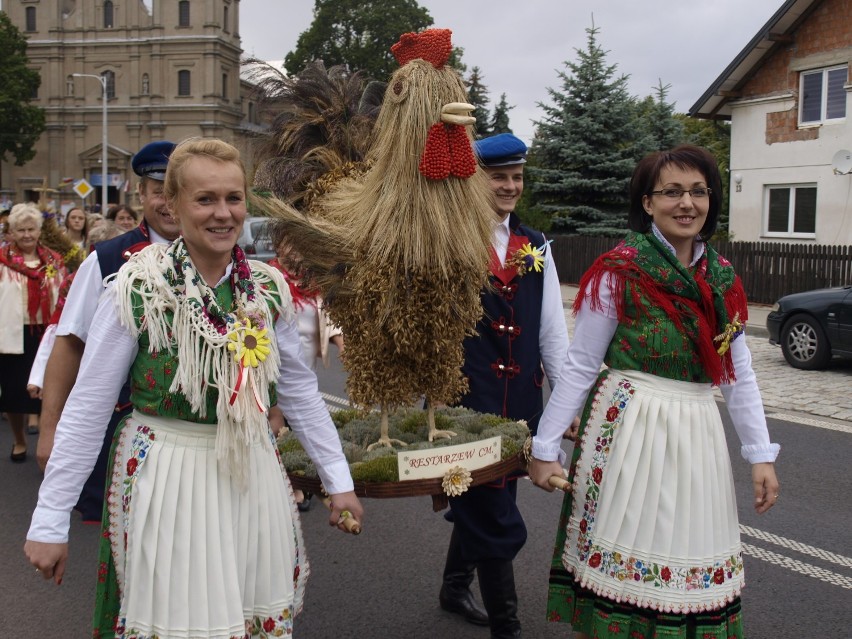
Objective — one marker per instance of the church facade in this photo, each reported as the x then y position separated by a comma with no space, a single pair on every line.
167,70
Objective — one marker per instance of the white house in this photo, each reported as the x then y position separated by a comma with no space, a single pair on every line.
787,95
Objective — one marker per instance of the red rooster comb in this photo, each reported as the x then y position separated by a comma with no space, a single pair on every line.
432,45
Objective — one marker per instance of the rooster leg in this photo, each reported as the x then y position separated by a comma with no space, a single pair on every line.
434,433
384,440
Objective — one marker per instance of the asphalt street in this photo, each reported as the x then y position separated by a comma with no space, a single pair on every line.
384,583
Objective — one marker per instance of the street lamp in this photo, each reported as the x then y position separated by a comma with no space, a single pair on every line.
103,80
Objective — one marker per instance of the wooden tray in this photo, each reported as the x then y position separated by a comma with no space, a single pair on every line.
417,487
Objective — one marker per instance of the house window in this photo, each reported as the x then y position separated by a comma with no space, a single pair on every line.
183,13
225,26
110,83
224,86
183,83
108,15
252,114
791,211
31,19
823,98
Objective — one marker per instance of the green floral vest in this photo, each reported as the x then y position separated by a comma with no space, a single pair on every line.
653,344
151,374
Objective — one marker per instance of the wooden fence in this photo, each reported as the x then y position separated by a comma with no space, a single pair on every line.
769,270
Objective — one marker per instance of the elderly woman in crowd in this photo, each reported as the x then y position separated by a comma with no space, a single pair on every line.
30,275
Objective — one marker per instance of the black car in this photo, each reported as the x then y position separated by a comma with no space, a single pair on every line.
812,326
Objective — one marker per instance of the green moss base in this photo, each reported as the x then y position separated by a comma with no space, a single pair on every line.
358,430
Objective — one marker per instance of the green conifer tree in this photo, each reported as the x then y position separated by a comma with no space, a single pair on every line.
500,117
477,95
586,147
658,117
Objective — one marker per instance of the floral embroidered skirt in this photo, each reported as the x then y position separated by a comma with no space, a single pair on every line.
648,542
186,552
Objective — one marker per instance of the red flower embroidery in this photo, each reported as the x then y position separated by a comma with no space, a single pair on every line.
583,525
269,625
296,572
612,414
666,574
132,463
595,560
719,576
597,475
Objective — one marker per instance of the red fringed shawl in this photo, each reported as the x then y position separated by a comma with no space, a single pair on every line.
50,266
702,301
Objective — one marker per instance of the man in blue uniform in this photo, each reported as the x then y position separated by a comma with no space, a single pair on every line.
521,337
157,226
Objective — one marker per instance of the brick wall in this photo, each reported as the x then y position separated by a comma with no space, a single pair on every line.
827,28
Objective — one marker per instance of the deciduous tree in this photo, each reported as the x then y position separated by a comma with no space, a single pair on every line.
358,34
21,124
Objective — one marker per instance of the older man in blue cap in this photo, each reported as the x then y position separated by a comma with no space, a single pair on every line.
521,337
73,330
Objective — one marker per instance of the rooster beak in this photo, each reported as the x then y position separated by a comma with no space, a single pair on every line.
457,113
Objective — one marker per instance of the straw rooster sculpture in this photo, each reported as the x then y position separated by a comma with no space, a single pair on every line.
399,250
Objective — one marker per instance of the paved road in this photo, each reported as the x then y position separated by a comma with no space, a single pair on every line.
383,584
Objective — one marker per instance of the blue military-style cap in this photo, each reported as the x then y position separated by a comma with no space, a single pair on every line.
152,159
500,150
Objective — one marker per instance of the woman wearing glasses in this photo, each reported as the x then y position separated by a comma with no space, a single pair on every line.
648,541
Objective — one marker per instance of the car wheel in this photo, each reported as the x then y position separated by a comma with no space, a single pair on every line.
804,343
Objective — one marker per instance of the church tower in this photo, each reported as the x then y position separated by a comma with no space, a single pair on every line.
170,69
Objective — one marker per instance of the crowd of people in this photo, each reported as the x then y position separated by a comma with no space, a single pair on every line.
35,274
167,363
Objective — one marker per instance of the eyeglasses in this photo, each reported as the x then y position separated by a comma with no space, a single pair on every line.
676,194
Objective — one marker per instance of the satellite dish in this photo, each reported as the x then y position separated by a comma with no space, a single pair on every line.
842,162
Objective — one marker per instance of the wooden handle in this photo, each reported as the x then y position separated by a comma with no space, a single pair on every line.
559,482
351,524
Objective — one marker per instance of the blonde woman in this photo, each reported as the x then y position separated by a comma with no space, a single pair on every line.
196,460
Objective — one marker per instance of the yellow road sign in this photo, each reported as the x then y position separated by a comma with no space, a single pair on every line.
83,188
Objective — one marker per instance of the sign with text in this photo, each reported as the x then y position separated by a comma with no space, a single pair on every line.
434,462
83,188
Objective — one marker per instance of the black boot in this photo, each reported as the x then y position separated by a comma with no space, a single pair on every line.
497,583
455,595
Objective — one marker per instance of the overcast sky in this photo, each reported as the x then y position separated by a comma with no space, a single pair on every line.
521,45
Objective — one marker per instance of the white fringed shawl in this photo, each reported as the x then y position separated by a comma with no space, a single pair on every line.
175,325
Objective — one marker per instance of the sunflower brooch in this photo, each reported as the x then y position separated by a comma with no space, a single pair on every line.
527,258
249,344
